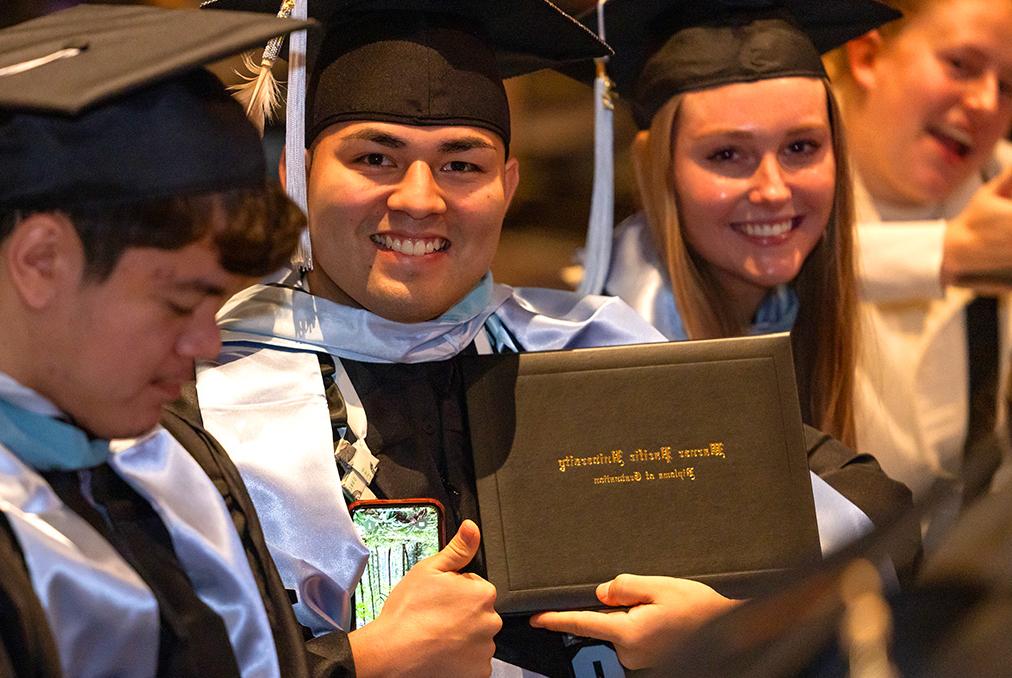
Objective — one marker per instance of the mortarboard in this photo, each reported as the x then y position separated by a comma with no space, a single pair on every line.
666,47
415,62
109,105
428,62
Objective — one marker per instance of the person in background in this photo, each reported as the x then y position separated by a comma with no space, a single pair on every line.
926,102
133,202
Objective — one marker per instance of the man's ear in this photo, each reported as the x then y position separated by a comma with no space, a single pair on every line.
42,254
862,53
511,179
283,166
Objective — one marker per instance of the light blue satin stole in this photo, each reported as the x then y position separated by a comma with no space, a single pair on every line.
103,617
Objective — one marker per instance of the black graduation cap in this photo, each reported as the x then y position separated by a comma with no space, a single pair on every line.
109,104
428,62
665,47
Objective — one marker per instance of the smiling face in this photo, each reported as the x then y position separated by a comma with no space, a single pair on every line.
130,342
755,176
933,100
405,220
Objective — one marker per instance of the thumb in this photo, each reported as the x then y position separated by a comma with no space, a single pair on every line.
459,551
627,590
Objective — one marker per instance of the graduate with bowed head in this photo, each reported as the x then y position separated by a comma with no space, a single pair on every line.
746,227
133,202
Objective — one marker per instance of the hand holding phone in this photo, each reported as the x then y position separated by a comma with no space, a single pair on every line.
436,621
398,533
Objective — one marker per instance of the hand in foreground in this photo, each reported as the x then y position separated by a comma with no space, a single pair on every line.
662,611
978,241
436,622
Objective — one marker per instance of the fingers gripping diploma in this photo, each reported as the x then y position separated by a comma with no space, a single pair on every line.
437,620
978,240
662,610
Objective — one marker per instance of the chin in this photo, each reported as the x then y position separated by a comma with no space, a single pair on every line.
125,425
410,308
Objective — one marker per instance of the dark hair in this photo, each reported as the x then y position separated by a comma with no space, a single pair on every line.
254,229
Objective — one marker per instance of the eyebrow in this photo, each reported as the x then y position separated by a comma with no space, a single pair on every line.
199,286
388,140
465,144
743,134
377,137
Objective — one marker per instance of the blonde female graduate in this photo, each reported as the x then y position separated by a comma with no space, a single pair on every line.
746,229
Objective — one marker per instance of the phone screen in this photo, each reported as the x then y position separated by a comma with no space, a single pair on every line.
398,535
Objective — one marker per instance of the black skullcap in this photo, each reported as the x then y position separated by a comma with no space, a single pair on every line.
108,105
665,47
428,62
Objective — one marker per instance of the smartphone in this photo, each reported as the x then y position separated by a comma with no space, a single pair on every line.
398,533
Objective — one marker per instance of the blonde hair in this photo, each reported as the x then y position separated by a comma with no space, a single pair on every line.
824,336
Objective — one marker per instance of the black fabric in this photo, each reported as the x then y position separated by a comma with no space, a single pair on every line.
982,451
298,654
418,430
665,47
123,50
182,137
953,622
413,69
194,640
27,647
129,117
859,478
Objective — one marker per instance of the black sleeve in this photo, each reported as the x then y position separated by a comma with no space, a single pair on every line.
859,478
329,655
27,648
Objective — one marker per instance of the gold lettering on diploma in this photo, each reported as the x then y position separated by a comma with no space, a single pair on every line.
654,464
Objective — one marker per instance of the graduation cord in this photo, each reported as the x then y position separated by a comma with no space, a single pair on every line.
355,461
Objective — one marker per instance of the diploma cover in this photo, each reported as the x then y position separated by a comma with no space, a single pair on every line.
684,459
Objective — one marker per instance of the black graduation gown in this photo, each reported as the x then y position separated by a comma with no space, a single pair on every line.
953,621
418,428
194,640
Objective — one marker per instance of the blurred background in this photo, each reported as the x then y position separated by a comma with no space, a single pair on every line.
553,123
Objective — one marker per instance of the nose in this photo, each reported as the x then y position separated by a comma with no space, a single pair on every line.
982,93
768,184
417,194
201,339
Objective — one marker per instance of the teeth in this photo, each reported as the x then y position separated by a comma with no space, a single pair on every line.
766,230
956,134
410,246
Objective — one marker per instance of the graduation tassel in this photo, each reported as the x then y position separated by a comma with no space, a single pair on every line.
597,252
260,95
295,133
